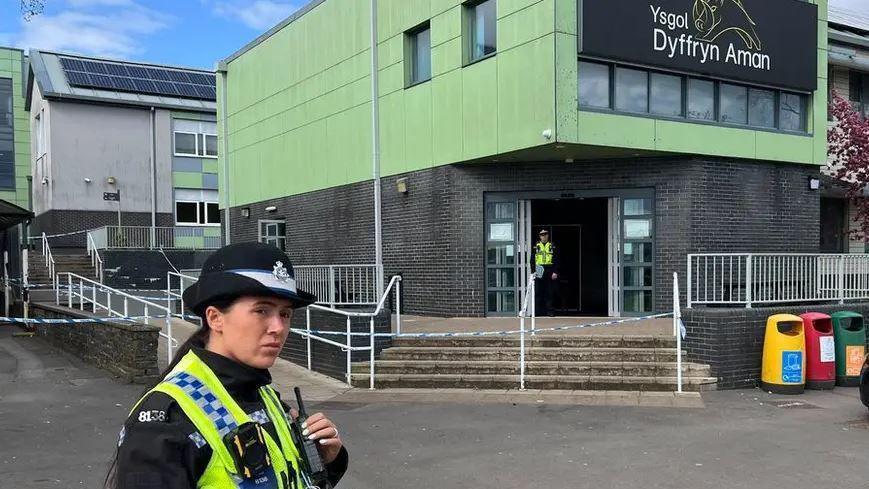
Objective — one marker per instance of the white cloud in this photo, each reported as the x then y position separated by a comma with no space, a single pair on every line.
855,5
111,28
259,15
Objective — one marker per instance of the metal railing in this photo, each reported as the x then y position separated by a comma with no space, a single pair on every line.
88,291
340,285
748,279
145,237
173,296
94,254
394,283
529,302
49,263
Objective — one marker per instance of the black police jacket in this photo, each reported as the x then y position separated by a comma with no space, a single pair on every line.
155,451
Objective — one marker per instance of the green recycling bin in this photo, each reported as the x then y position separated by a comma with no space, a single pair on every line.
850,335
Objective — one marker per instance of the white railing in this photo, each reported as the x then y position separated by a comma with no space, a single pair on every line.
172,295
117,303
748,279
340,285
528,303
145,237
94,254
308,334
49,263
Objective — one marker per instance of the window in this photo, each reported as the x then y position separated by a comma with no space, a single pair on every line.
594,85
186,144
195,207
792,112
734,104
761,108
419,47
39,134
274,233
209,144
666,95
481,27
7,132
632,90
701,99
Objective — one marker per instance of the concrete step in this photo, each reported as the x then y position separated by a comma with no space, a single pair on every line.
561,341
632,369
470,381
468,355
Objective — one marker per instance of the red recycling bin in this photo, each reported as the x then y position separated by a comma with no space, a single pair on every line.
820,351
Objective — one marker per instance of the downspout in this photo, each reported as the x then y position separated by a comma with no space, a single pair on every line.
224,185
375,144
153,130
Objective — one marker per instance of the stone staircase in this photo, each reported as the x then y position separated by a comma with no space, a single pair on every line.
77,264
623,363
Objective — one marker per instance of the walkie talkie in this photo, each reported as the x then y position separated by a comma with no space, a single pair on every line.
313,470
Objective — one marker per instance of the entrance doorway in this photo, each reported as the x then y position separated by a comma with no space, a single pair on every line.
604,250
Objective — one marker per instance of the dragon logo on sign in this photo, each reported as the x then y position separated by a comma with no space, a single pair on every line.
712,18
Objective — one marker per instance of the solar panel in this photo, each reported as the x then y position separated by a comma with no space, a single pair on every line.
142,79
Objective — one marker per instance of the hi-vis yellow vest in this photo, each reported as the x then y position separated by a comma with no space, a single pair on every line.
204,400
543,253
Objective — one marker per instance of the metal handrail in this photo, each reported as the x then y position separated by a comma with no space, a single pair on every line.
528,302
50,264
172,296
395,283
94,286
94,254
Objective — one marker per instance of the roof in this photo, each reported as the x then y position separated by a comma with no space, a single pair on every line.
849,19
45,69
12,215
259,40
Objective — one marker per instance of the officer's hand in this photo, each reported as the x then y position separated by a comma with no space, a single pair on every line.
322,430
554,276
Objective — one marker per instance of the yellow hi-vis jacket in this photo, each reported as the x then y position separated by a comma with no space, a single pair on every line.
544,253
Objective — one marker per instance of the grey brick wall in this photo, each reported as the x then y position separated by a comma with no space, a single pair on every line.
433,235
730,340
67,221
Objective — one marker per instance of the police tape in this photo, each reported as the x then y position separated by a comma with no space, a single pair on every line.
34,238
304,332
127,319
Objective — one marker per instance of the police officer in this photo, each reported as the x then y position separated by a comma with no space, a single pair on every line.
214,421
544,257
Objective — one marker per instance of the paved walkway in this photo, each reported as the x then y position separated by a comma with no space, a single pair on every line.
425,324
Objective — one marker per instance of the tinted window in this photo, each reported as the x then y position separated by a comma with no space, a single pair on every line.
734,104
701,99
792,112
7,132
594,85
482,24
185,143
666,97
761,107
632,90
185,213
421,55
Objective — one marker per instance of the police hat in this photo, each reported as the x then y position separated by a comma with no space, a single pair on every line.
245,269
543,231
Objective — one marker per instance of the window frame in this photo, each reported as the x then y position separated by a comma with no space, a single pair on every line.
468,31
183,201
265,238
175,152
201,213
12,173
410,39
203,150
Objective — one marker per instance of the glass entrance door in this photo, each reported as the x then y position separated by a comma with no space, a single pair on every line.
501,259
638,256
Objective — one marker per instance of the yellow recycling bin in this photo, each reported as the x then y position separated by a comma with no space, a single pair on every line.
784,355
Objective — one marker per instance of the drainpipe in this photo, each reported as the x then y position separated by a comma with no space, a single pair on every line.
224,188
375,140
153,130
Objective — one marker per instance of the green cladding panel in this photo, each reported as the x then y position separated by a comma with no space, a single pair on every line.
298,103
11,66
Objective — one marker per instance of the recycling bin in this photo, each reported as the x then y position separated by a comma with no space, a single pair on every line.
820,351
850,334
784,352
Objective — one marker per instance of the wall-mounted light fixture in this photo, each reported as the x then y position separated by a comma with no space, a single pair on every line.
45,180
87,180
814,183
111,180
401,185
271,208
245,212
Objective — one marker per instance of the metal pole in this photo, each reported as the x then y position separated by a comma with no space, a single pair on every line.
398,306
375,145
169,333
688,292
153,131
25,280
349,380
224,182
308,337
522,353
81,294
534,307
371,353
94,298
6,284
748,284
841,260
677,315
69,290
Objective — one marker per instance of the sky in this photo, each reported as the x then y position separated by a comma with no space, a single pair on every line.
195,33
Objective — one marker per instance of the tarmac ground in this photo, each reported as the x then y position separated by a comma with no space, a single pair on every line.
60,420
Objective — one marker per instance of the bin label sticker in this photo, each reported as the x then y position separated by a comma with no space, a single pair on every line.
828,349
792,367
853,360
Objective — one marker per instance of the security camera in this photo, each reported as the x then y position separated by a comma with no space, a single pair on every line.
87,180
45,180
547,134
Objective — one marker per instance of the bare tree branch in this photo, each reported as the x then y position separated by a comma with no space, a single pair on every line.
31,8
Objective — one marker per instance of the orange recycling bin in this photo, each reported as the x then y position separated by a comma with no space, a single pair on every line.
820,351
784,352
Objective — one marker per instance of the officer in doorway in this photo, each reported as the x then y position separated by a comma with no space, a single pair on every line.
547,274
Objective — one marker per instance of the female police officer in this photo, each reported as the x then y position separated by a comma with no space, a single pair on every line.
214,421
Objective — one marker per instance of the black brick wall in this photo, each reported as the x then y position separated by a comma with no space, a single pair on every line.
146,269
433,235
67,221
730,340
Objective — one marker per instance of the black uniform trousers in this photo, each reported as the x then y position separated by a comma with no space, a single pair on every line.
544,292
